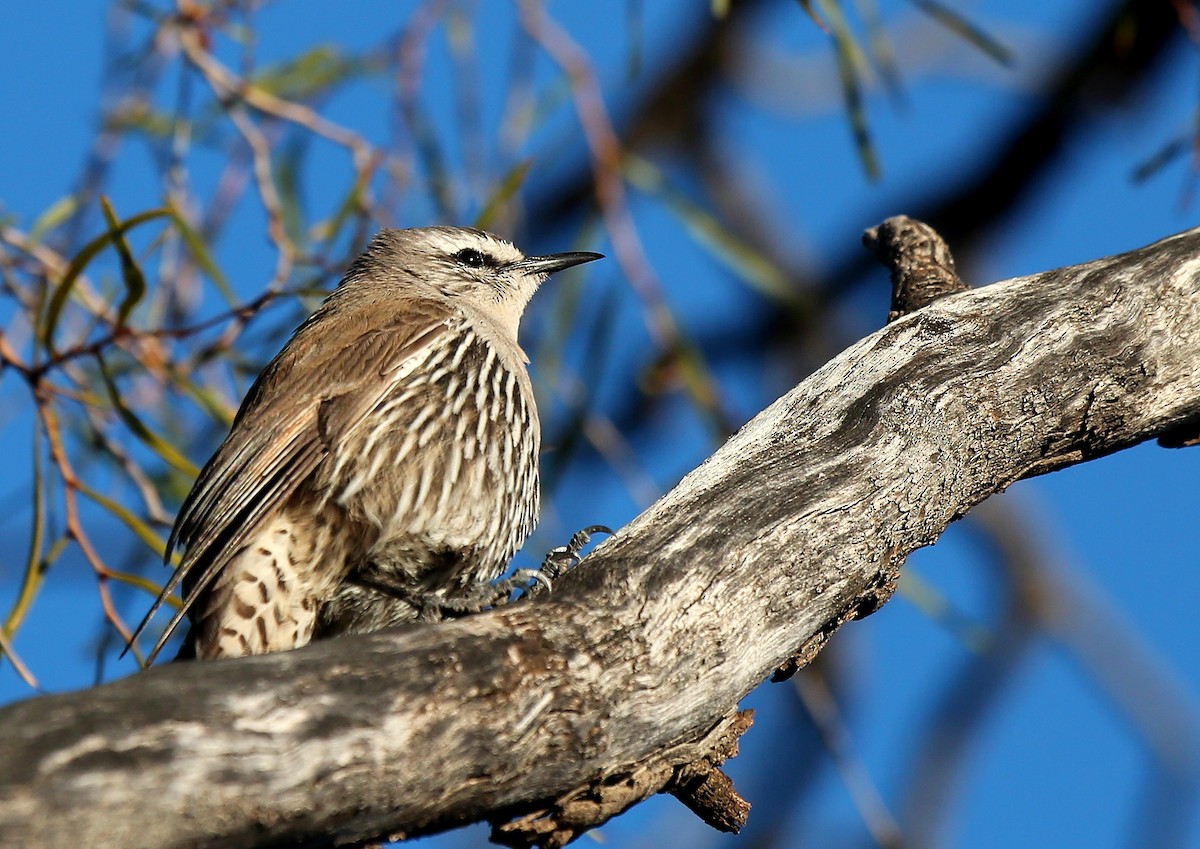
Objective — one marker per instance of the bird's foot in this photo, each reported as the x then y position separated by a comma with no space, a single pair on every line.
473,599
525,583
559,560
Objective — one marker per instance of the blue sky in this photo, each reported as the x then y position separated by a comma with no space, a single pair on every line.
1059,761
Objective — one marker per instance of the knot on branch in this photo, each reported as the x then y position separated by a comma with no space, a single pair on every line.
919,260
689,771
708,792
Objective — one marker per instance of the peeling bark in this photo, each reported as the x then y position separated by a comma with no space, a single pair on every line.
633,667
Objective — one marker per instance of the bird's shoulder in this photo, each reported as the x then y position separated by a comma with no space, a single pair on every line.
347,343
336,360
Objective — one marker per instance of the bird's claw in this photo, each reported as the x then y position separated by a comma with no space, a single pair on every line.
561,559
532,578
531,582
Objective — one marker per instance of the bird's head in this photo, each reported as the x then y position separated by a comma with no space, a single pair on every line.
470,266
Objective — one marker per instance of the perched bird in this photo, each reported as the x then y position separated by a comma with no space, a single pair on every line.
384,465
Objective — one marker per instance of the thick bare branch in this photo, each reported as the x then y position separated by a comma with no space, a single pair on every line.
798,524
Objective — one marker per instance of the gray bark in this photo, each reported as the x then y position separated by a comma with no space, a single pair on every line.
634,666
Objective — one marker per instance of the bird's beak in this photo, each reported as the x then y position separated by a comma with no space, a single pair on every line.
553,262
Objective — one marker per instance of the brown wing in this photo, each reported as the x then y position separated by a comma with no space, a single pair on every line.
276,441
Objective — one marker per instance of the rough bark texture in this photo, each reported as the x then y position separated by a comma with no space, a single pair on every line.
634,666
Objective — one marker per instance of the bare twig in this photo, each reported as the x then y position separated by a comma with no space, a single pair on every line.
605,149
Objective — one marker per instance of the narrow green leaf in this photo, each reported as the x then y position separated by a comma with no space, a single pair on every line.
739,257
1169,152
849,61
934,604
966,30
31,579
155,124
55,214
327,231
131,273
63,291
635,31
208,400
55,551
508,187
879,48
312,73
151,440
432,156
140,529
201,256
569,431
145,584
289,182
807,6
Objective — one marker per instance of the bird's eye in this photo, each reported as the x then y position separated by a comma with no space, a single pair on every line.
473,258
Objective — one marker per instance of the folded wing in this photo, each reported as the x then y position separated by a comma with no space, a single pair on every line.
281,434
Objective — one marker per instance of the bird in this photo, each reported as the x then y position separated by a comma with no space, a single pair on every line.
383,467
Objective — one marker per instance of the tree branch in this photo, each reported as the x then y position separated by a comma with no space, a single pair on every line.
919,260
634,666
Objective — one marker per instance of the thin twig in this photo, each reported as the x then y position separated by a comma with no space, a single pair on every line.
606,153
230,87
58,455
